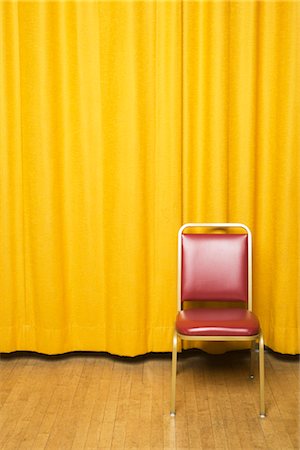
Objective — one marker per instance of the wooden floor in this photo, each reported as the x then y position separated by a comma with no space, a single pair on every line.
96,401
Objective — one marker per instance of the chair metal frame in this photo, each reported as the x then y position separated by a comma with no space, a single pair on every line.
253,339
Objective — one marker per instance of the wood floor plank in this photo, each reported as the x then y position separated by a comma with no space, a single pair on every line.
90,401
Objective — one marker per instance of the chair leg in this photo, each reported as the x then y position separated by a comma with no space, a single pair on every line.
262,407
174,372
252,357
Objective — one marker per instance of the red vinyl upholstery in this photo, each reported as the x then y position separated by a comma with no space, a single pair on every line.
217,322
214,267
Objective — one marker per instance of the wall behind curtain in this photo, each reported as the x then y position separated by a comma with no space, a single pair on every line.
119,121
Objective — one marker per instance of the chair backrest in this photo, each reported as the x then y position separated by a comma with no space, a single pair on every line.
215,266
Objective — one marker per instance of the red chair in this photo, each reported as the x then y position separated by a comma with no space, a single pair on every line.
216,267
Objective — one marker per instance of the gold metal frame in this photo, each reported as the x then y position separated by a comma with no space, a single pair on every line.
253,339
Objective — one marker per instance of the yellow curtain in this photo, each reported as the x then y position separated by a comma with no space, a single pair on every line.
119,121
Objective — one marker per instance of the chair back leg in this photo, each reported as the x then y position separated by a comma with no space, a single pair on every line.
252,358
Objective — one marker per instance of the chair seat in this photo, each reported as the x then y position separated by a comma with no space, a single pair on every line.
217,322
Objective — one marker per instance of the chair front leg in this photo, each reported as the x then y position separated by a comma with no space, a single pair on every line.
262,376
174,372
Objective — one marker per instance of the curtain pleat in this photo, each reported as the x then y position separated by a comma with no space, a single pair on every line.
119,121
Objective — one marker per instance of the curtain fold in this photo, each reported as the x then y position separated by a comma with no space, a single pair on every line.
119,121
